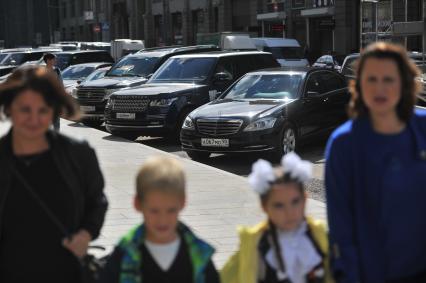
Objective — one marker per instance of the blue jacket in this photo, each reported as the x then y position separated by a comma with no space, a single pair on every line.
371,207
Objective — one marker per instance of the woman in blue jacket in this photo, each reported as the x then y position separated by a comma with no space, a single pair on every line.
376,174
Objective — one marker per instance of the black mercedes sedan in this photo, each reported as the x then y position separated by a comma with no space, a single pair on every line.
270,110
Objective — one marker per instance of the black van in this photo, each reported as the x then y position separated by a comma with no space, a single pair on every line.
182,83
132,70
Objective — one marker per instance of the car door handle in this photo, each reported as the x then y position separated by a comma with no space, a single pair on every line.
325,99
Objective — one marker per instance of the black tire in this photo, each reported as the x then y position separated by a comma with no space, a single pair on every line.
92,123
288,142
175,134
126,135
198,155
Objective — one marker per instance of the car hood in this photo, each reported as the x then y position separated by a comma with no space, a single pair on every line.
159,89
240,108
118,82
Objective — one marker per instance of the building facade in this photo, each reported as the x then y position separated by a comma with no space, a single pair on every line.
321,26
28,22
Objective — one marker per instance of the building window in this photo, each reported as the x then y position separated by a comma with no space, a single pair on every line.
275,6
177,28
64,9
72,9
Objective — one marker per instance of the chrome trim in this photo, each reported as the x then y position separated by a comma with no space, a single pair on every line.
133,127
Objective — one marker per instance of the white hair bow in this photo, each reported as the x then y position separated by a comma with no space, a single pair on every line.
262,172
298,169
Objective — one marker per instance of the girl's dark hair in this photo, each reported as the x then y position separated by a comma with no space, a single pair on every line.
276,246
408,73
43,81
282,178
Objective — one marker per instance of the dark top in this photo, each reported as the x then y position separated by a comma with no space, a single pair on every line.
77,163
180,270
31,245
375,198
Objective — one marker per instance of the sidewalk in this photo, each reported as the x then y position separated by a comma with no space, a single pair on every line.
217,201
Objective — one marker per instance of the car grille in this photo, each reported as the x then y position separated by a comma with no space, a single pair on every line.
218,127
91,94
129,103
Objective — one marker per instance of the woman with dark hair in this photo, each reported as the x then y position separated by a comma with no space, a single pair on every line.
42,170
376,174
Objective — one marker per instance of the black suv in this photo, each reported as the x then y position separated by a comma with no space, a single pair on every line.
68,58
132,70
182,84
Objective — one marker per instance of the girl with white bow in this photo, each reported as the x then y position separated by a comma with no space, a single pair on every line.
288,247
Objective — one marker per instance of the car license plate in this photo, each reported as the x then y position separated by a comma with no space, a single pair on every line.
129,116
85,108
215,142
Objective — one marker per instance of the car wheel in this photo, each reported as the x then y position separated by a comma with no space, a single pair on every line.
289,142
175,134
198,155
92,123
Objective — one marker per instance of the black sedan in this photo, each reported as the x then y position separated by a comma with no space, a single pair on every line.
270,110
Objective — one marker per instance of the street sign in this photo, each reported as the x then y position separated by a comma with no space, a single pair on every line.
105,26
96,28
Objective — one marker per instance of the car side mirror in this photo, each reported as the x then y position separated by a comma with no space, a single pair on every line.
149,76
79,81
222,77
312,94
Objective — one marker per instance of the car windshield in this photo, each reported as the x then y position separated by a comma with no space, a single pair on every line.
134,67
266,86
98,74
184,69
62,60
349,68
13,59
2,56
285,52
76,72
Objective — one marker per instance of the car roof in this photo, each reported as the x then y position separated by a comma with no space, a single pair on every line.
217,54
161,51
82,51
92,64
287,69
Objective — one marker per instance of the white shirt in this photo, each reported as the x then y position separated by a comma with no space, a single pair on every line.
163,254
298,253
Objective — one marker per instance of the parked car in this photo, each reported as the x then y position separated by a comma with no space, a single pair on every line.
75,74
182,84
131,71
268,111
287,51
328,62
68,58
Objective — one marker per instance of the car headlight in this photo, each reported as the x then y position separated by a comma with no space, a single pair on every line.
261,124
108,93
188,123
74,93
163,102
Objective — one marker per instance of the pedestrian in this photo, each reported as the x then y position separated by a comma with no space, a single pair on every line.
375,174
44,175
50,60
162,249
288,246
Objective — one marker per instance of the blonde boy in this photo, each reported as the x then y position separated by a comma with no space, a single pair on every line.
162,249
